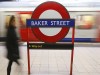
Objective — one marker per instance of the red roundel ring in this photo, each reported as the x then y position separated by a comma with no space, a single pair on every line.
53,6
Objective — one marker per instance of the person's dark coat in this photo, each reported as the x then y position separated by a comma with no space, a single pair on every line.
12,44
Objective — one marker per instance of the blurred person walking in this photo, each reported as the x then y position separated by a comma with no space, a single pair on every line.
12,44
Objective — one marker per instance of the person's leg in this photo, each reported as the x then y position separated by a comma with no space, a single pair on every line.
9,67
19,66
17,62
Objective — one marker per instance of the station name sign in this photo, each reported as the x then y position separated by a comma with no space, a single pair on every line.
50,22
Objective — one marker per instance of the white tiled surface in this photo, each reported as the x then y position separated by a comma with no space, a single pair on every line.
55,62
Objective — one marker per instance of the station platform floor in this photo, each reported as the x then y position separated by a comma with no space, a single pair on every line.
54,62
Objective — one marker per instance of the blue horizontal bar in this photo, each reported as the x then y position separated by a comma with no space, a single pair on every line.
65,39
78,40
50,22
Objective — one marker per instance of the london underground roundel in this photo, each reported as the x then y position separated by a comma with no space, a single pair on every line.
50,5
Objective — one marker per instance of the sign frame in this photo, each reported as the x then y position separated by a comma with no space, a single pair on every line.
36,29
